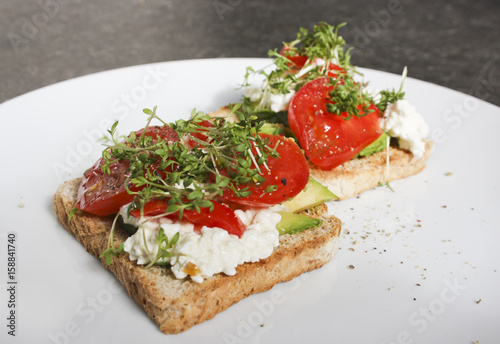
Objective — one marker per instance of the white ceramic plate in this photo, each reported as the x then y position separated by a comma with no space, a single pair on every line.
425,257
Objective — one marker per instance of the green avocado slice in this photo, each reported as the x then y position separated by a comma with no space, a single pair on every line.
376,146
313,194
292,223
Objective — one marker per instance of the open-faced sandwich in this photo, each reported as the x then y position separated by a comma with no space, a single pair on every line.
354,138
194,216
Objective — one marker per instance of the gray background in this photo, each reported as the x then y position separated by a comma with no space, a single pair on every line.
450,43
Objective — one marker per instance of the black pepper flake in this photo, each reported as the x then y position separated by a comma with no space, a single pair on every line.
283,181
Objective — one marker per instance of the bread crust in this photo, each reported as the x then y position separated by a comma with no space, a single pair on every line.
177,305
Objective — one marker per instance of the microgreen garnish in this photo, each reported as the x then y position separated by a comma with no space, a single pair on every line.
164,246
388,97
386,184
387,164
111,251
211,156
324,53
72,213
347,97
228,156
324,43
322,47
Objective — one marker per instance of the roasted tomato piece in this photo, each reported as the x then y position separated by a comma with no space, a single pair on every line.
103,194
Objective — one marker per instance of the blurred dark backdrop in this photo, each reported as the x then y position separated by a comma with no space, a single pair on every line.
451,43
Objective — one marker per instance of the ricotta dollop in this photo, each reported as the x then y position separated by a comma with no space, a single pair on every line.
402,121
212,251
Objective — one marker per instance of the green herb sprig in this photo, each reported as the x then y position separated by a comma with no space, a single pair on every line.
389,97
164,247
347,98
324,42
112,251
228,157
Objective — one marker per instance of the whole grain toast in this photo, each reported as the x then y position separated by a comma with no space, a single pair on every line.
176,305
358,175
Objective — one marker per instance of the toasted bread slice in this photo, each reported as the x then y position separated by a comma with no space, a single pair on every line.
358,175
176,305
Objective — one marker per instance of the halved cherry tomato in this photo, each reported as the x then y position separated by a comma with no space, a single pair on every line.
289,173
221,216
103,194
327,139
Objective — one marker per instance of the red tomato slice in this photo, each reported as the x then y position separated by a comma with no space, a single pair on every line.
298,61
334,69
327,139
103,194
221,216
289,173
164,133
198,135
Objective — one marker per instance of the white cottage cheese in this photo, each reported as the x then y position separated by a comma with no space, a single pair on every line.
214,250
276,102
402,121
